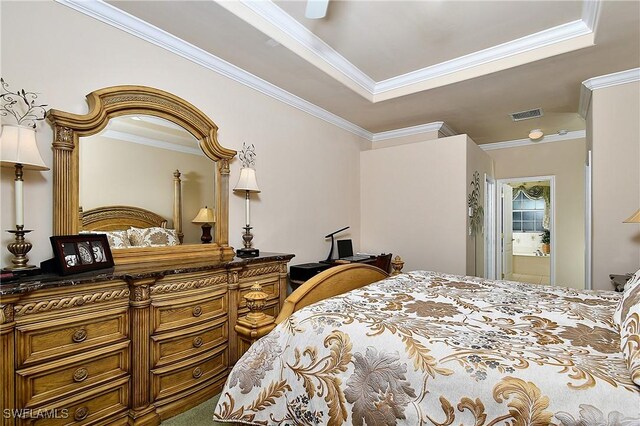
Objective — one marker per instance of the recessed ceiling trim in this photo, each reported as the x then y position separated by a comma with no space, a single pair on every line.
608,80
438,126
577,134
267,17
117,18
539,40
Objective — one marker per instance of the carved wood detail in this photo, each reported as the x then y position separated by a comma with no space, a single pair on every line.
188,285
259,271
69,302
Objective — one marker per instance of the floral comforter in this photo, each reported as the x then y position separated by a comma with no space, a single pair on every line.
424,348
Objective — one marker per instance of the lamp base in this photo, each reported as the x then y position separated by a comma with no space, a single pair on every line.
206,234
19,248
248,252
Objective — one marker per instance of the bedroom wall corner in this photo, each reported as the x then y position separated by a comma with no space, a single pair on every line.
615,136
477,161
413,203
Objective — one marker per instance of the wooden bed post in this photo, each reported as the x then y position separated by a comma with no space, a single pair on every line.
397,264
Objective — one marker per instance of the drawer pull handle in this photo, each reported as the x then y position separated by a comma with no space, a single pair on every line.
197,342
81,414
80,375
197,311
79,335
197,372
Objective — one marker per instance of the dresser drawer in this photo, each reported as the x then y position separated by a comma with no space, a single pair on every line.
173,379
187,343
43,341
170,315
104,404
269,285
71,375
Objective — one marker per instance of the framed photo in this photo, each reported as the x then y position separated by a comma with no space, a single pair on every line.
81,253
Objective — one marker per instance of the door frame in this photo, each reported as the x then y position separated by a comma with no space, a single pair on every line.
490,200
498,229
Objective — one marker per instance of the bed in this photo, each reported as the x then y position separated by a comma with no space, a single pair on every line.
425,348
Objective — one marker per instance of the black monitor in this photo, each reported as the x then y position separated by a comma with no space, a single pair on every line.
345,248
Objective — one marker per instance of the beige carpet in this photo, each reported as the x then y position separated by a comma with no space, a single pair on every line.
199,415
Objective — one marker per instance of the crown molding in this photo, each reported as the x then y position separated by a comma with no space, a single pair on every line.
437,126
296,37
500,52
577,134
117,18
141,140
601,82
281,23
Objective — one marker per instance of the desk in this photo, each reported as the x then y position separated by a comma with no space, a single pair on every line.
298,274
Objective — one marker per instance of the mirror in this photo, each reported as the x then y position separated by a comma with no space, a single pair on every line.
138,155
96,166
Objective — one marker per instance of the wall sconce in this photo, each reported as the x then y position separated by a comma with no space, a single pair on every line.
19,149
206,217
536,134
247,183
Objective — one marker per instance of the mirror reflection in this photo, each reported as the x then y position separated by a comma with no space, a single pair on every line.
132,162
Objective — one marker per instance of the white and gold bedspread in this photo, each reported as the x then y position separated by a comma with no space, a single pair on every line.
433,349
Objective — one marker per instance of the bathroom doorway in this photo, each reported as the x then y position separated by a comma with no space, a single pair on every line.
526,237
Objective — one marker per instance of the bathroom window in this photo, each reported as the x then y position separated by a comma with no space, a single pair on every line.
528,214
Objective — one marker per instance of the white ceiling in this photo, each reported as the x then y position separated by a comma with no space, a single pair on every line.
376,66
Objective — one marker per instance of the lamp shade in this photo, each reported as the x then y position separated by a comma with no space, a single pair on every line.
205,215
247,180
18,146
634,218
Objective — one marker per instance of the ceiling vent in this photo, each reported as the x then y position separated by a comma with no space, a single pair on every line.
526,115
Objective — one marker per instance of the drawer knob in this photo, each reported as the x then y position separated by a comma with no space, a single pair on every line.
79,335
81,414
197,311
197,342
197,372
80,375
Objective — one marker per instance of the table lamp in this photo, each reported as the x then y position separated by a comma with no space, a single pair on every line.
18,149
205,216
247,183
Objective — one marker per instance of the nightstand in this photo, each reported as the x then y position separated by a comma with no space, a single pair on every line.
619,281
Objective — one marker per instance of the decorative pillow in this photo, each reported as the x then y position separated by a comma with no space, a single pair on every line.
116,239
153,237
629,315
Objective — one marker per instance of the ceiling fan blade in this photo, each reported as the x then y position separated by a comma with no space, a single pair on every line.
316,9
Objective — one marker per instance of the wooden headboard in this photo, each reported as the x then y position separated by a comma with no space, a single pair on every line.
115,218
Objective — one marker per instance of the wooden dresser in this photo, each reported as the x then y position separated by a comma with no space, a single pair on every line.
135,345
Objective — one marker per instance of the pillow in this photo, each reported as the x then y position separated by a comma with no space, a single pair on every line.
152,237
628,312
116,239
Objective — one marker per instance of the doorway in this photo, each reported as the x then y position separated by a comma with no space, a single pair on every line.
524,232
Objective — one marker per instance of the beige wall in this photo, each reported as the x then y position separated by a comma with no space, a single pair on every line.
477,160
615,135
308,170
414,203
565,160
116,172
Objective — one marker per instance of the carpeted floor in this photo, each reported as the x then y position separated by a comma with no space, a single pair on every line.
200,415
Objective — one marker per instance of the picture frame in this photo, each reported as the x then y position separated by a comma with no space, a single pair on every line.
81,253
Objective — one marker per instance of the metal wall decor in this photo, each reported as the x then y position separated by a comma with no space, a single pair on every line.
21,105
476,211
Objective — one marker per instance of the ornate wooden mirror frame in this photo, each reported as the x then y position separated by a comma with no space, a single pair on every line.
110,102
